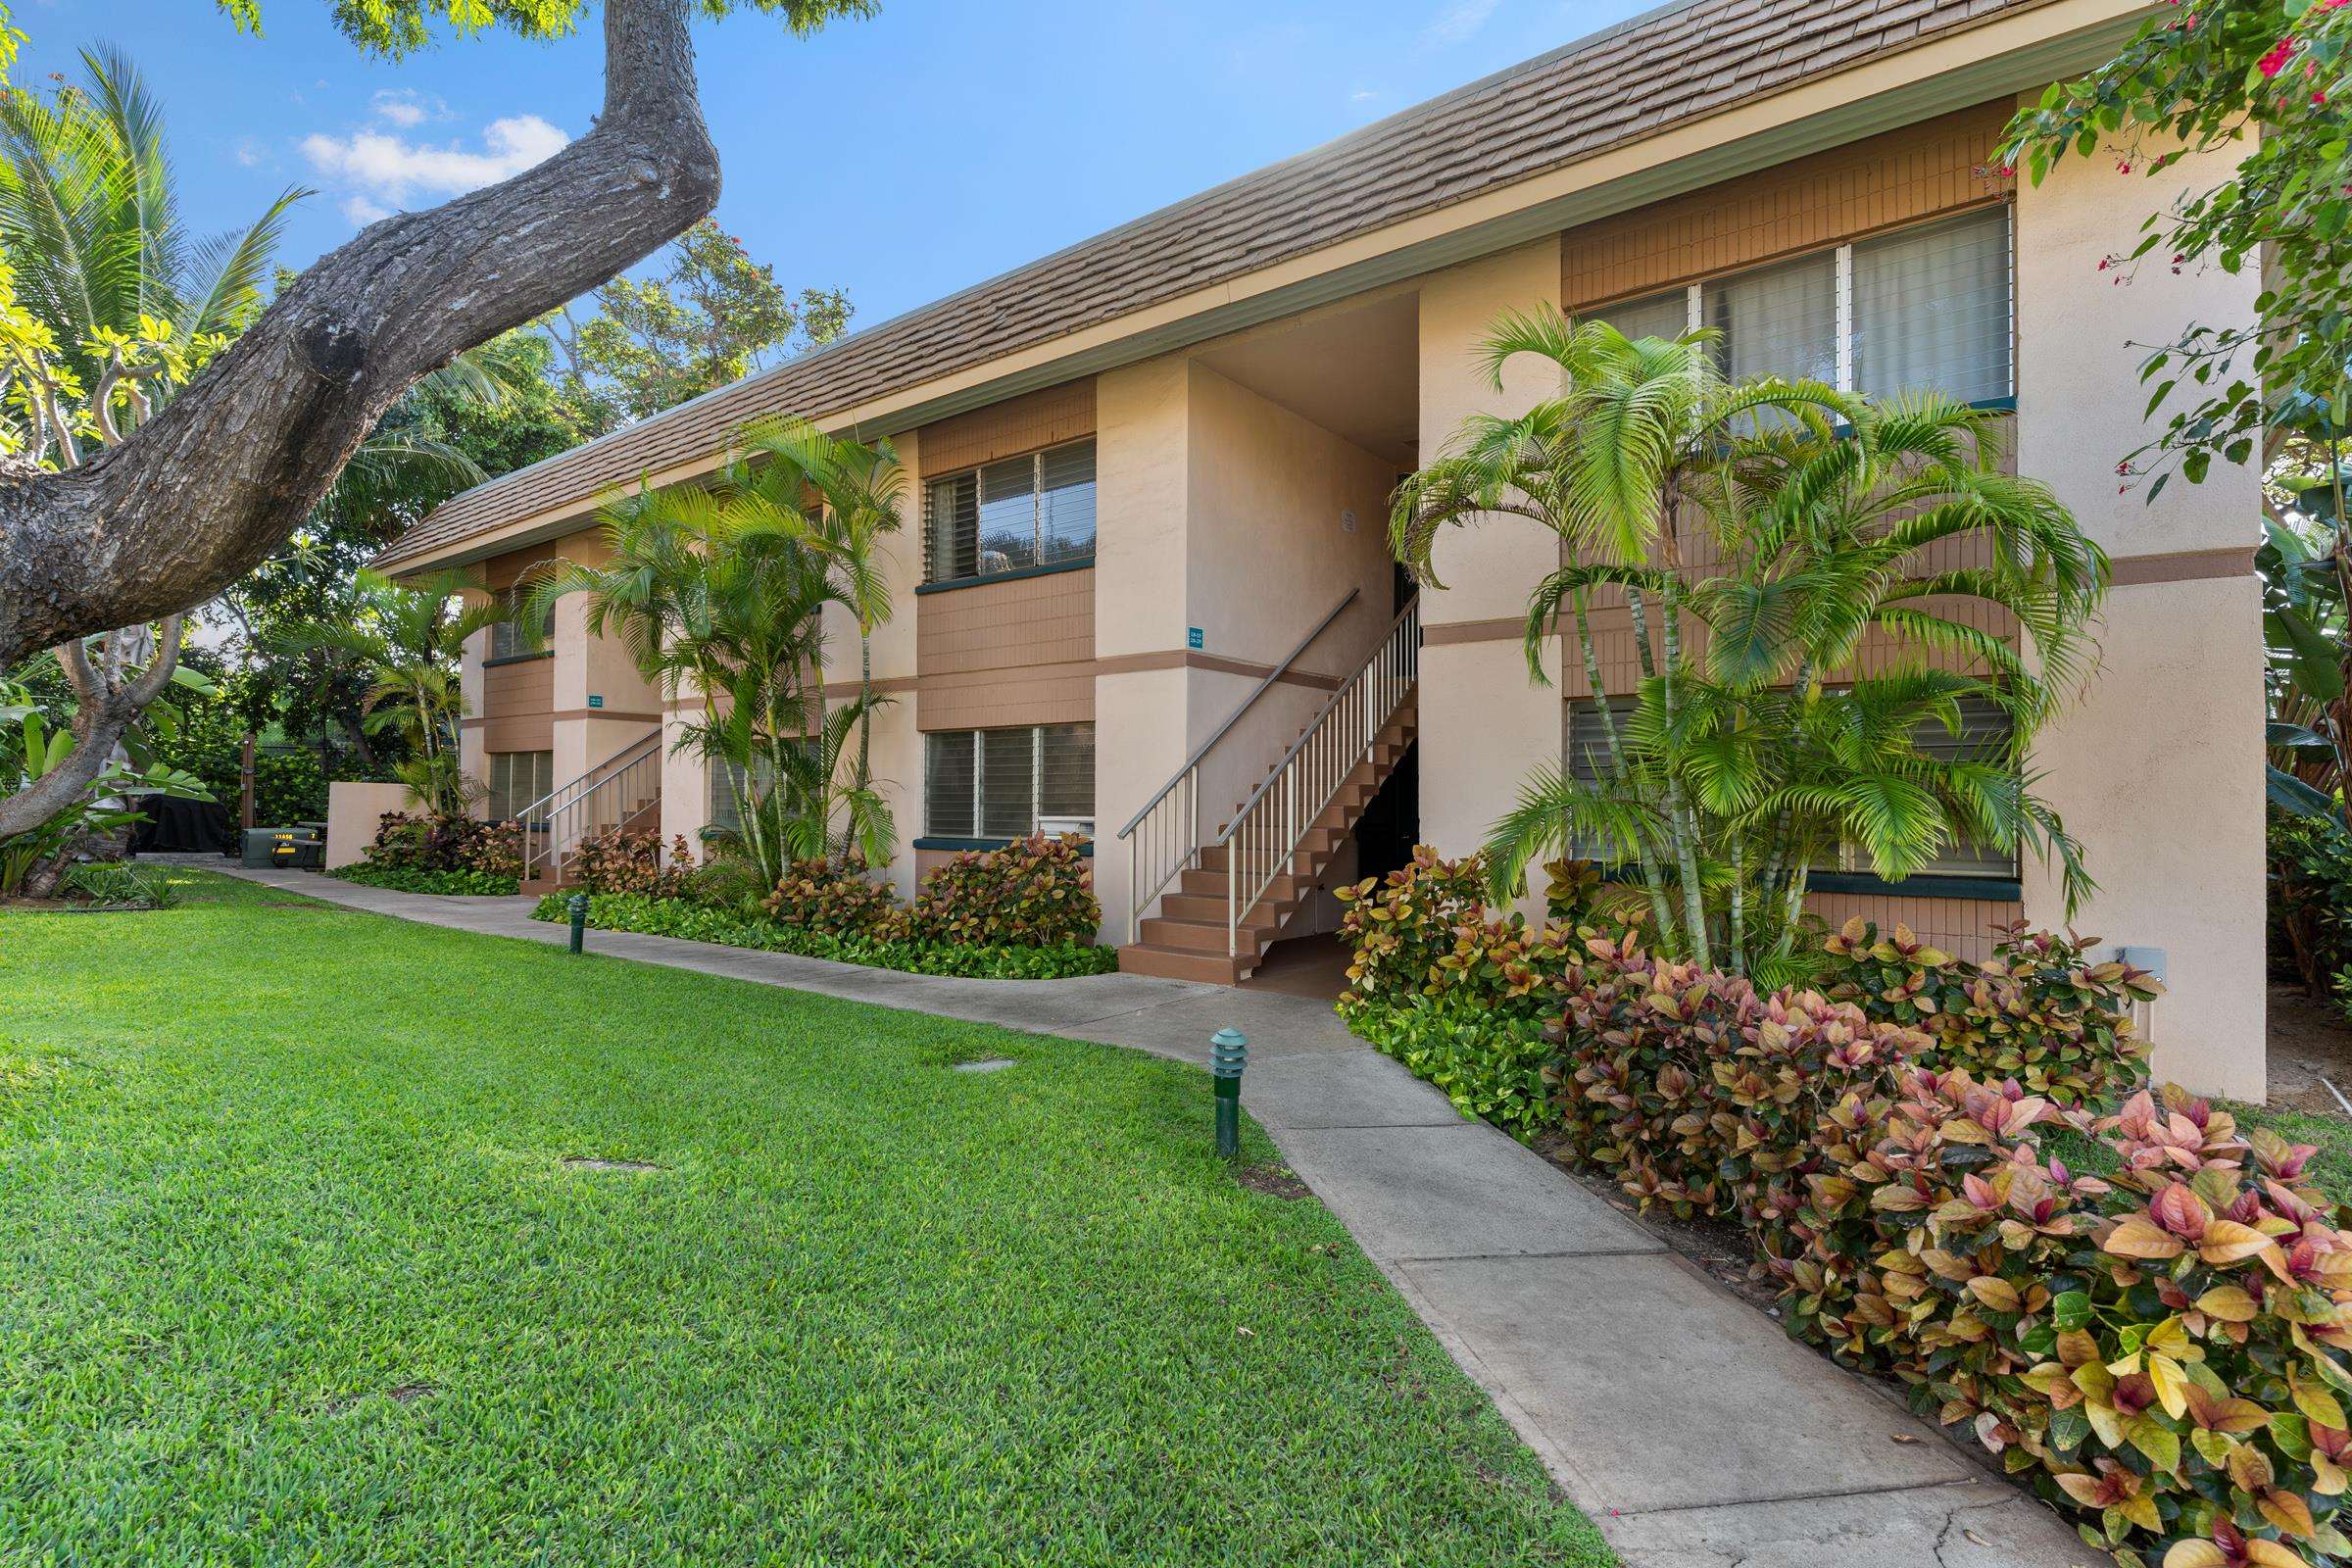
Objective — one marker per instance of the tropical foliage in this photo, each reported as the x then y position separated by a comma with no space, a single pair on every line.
406,644
2263,82
712,315
717,593
446,853
1814,586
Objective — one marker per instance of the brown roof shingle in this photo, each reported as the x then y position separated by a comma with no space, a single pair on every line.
1613,88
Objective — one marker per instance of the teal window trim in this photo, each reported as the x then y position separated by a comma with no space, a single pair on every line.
1080,564
932,841
1993,888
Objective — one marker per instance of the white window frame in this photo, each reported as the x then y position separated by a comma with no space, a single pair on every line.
1037,512
1037,782
1695,293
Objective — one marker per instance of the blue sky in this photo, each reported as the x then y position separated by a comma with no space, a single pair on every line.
899,157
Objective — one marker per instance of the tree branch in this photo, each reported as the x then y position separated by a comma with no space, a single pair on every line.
202,492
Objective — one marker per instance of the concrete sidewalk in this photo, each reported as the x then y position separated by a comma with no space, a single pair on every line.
1689,1428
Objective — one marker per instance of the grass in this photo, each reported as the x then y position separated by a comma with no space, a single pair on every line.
295,1272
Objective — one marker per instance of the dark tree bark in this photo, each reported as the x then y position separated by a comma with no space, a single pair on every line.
202,492
107,699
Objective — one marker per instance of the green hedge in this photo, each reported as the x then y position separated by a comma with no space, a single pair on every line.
743,928
416,879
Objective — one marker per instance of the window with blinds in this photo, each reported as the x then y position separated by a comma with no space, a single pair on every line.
1009,783
1008,516
1983,733
519,780
507,640
1925,307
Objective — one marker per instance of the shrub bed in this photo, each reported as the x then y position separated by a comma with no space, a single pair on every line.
1025,911
2157,1347
445,854
750,928
609,860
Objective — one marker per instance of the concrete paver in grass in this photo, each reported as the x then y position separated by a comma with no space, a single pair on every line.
1683,1420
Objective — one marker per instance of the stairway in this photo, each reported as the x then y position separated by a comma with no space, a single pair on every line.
623,791
1224,897
1186,939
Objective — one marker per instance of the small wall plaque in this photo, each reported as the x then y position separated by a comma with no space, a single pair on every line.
1193,638
595,701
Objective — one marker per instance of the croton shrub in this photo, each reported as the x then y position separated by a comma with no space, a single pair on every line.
837,896
423,853
1036,892
611,860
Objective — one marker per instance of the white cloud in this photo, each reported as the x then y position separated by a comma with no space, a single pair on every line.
1459,20
1363,95
381,171
407,108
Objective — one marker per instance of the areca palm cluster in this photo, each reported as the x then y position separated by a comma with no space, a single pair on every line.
407,642
718,593
1816,587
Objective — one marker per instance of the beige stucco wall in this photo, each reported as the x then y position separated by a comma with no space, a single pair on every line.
353,812
2159,769
1483,725
1284,518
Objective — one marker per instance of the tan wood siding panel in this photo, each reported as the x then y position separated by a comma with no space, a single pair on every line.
1005,429
1938,166
1962,926
586,546
1048,620
526,686
993,698
520,732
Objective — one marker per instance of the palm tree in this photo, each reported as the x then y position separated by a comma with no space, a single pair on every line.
714,592
840,497
409,643
1841,561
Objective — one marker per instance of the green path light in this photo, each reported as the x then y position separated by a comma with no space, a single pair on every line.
1228,1054
577,903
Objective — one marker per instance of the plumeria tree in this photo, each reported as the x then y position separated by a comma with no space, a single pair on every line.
1786,560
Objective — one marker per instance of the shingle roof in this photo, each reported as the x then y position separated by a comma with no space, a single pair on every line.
1616,86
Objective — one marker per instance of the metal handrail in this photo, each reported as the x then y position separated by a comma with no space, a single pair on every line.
548,821
1174,836
1269,828
1255,692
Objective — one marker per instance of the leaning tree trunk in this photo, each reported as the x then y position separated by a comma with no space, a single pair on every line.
209,486
107,700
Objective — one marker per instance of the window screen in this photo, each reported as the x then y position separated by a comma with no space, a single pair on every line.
1984,736
1008,782
949,775
1065,503
1001,783
1931,309
1031,511
519,780
1778,321
1666,315
952,528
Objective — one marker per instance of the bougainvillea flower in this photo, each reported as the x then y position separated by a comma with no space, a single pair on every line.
2274,62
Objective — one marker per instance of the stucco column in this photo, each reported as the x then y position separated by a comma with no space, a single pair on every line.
2159,769
1484,723
472,761
896,756
1142,461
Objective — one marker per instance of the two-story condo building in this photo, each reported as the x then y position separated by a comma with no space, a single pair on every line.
1143,588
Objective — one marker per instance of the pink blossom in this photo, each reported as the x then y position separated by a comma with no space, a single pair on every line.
2276,61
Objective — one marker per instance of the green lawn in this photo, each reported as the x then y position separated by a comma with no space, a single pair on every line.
292,1271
